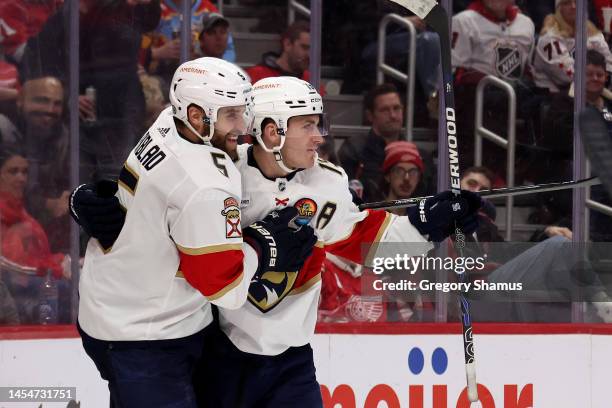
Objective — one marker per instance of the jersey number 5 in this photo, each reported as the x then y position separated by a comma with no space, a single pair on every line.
219,160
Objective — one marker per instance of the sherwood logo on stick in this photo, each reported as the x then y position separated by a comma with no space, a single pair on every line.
453,155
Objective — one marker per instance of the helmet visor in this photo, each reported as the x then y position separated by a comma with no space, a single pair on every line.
308,126
233,120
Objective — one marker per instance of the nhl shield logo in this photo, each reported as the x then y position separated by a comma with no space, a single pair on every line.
231,212
508,61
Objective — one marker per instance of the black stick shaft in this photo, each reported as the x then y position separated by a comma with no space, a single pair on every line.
496,193
438,20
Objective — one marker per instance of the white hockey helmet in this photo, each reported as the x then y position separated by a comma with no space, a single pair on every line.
211,84
279,99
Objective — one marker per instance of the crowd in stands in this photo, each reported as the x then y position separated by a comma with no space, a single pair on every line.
128,50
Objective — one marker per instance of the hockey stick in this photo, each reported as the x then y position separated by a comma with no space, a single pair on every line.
598,144
436,17
496,193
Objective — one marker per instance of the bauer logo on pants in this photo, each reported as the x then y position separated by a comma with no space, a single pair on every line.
231,212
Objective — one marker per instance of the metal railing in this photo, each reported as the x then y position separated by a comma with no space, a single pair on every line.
509,144
292,7
383,69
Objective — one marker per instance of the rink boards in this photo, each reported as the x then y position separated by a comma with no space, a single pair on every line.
394,366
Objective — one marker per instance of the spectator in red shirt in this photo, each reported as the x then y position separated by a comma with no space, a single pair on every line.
294,59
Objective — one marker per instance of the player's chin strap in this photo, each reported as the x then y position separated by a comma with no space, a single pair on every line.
205,139
278,156
276,151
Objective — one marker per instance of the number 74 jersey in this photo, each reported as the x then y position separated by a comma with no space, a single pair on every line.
284,314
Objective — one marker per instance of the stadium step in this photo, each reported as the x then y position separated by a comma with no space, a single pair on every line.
251,46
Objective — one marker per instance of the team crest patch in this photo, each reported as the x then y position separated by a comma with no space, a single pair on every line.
231,212
508,61
267,292
307,208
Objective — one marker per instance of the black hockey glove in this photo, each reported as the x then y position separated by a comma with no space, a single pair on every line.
96,209
436,216
282,248
280,245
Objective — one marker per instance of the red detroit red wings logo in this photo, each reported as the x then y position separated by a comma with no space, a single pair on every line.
231,212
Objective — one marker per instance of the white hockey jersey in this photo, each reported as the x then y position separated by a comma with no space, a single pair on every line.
494,48
286,317
180,248
553,61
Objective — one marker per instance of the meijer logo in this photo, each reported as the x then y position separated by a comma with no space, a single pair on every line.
343,396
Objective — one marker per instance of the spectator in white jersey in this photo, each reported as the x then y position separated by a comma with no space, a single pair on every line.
145,298
491,37
553,61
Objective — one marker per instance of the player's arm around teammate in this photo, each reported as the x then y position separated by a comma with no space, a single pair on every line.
145,296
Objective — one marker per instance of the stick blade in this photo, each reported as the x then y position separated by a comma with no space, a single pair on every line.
597,140
419,7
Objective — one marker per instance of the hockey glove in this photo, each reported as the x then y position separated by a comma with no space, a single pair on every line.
280,247
96,209
436,216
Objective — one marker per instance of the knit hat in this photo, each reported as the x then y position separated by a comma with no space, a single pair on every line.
402,152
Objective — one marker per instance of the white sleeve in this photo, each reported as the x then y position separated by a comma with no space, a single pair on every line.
461,41
554,59
213,258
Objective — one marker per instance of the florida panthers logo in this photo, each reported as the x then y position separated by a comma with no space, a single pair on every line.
307,208
508,61
231,212
267,291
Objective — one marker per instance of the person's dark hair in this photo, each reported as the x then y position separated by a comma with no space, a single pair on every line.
8,151
294,31
382,89
595,58
480,169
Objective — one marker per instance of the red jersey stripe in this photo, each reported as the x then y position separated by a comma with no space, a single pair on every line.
213,274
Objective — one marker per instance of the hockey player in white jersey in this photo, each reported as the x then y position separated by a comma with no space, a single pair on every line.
145,302
262,357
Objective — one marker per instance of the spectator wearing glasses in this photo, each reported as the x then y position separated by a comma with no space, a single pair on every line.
362,157
403,168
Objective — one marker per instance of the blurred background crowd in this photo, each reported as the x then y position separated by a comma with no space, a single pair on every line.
384,125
